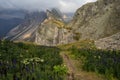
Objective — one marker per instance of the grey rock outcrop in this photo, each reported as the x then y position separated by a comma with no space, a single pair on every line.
53,32
112,42
97,20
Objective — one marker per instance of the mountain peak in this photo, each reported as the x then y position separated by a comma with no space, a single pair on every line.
54,13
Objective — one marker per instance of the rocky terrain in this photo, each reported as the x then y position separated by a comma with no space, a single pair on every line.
97,20
112,42
53,31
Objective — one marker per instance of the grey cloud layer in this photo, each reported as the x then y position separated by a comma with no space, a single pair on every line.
63,5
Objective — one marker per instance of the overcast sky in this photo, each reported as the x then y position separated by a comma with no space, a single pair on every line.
63,5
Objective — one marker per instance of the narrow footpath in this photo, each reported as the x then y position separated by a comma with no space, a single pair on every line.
74,74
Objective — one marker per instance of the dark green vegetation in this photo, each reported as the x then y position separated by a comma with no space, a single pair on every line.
105,62
19,61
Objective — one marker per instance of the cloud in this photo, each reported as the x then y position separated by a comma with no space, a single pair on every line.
67,6
63,5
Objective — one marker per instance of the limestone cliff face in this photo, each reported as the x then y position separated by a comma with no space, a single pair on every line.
53,32
97,20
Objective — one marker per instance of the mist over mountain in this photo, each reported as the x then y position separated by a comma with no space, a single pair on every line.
94,21
32,5
15,10
12,13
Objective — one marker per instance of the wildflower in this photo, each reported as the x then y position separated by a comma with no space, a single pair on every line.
31,60
99,57
94,56
21,55
42,60
25,61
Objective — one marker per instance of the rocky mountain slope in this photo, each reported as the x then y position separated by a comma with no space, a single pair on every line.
26,30
97,20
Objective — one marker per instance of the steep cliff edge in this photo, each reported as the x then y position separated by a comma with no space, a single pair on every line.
97,20
53,31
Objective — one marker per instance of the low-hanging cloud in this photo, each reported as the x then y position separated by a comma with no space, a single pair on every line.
63,5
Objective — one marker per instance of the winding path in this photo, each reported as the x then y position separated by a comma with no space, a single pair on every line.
68,63
74,74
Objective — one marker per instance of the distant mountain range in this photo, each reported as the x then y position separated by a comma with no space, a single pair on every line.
26,30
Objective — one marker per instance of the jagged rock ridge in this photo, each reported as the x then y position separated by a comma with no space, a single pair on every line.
26,30
44,28
53,31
